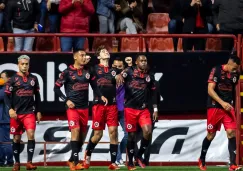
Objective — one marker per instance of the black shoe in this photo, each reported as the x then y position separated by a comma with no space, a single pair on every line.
2,165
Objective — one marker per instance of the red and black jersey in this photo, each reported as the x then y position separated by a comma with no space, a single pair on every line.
106,82
76,83
225,86
20,91
139,86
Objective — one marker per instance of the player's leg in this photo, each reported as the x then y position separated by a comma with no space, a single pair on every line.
73,122
146,125
16,129
98,126
29,122
112,123
214,117
131,127
230,126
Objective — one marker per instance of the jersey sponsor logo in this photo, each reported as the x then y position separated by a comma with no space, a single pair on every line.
23,92
32,82
87,76
79,86
104,82
113,73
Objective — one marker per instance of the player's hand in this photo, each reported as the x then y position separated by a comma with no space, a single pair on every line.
217,27
38,116
226,106
119,80
155,116
70,104
104,100
48,5
36,27
12,114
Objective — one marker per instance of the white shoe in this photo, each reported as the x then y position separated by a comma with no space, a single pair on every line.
120,163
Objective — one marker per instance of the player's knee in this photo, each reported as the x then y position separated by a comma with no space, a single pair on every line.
131,136
75,134
17,138
98,135
230,133
211,136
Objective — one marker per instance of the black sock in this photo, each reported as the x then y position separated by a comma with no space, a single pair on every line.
143,147
30,149
75,151
16,151
205,145
232,150
71,157
90,148
113,152
130,151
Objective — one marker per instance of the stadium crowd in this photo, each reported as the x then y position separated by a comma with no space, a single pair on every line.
120,16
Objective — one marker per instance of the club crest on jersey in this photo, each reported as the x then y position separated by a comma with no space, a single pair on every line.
215,79
124,75
10,88
32,82
113,73
148,78
87,76
234,79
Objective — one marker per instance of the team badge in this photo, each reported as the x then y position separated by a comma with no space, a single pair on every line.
129,126
87,75
12,129
210,126
113,73
215,79
96,124
71,123
148,78
234,79
32,82
124,75
10,88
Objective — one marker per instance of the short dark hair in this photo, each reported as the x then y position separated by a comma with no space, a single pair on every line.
8,73
235,59
97,52
75,50
118,59
139,56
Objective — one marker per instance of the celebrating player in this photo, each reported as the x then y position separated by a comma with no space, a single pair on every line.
103,114
76,79
138,85
221,89
20,92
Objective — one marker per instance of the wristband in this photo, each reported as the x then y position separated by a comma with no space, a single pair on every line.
156,109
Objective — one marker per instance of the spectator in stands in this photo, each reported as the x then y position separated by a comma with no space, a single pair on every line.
228,18
194,13
50,8
5,149
131,16
106,14
2,7
25,16
175,25
75,19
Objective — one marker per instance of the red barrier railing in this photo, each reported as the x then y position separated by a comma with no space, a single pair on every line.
140,36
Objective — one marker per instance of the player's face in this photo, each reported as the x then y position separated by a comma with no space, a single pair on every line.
142,62
232,66
104,54
118,64
23,65
80,58
4,77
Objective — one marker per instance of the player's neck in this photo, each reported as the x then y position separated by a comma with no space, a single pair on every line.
77,66
23,74
104,62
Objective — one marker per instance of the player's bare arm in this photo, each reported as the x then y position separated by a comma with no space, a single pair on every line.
214,95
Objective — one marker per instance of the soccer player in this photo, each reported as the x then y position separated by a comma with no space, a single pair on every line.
120,92
19,98
221,91
103,114
139,83
76,79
